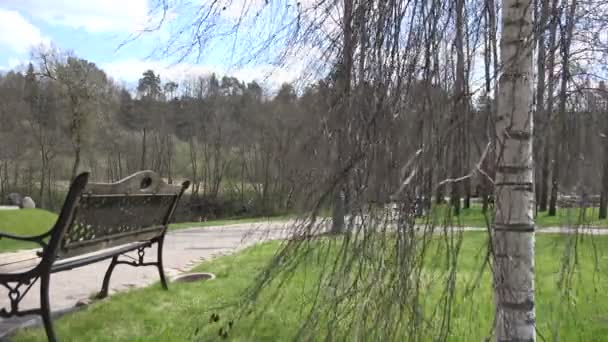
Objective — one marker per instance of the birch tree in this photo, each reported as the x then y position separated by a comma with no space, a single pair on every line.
513,231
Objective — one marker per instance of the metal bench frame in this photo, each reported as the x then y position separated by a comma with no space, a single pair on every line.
82,235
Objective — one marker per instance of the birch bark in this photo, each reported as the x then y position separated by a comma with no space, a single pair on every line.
513,231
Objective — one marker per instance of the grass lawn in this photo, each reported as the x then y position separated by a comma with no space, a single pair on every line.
24,222
28,222
183,313
474,217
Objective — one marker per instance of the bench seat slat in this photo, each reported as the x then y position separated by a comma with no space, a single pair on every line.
91,246
86,246
81,260
126,195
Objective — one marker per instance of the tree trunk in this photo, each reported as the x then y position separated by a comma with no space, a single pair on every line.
555,178
544,177
142,166
486,185
566,37
346,64
540,99
43,167
169,158
76,164
194,166
513,231
30,179
120,173
604,194
459,110
439,190
467,194
243,174
49,191
493,59
16,170
4,180
544,195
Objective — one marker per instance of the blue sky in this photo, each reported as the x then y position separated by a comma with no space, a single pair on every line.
93,29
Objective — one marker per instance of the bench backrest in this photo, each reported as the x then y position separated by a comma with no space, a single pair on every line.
106,215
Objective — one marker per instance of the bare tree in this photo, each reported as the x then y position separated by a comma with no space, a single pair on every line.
603,212
549,128
565,43
83,84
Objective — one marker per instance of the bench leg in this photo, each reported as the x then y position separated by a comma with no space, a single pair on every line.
45,307
106,279
161,270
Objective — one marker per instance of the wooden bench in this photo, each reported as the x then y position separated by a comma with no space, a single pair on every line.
98,221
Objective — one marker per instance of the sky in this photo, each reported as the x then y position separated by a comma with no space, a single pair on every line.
95,29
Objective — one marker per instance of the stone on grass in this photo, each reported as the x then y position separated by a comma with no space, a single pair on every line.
14,199
28,203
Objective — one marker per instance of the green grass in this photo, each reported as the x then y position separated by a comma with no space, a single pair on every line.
30,222
474,217
24,222
183,313
572,217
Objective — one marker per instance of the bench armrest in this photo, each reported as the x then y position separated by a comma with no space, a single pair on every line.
37,238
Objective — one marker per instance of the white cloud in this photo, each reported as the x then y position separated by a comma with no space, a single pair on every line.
15,62
130,70
92,15
273,76
17,34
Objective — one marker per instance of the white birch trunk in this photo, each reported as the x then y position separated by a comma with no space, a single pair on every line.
513,231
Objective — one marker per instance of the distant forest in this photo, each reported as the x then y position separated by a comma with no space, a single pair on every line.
251,153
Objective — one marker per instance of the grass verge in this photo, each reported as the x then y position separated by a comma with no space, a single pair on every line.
185,312
474,217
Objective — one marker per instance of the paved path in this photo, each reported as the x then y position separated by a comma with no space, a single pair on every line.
183,250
